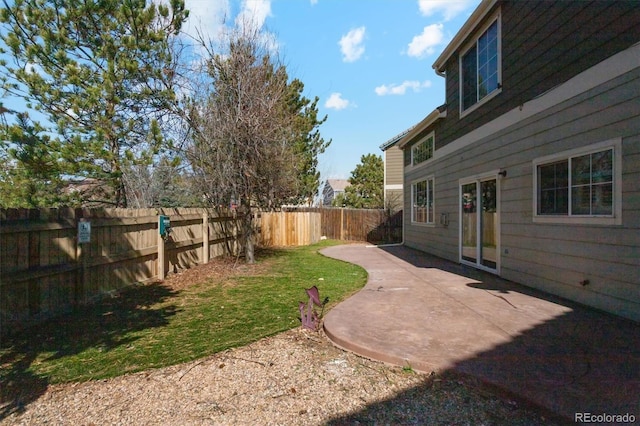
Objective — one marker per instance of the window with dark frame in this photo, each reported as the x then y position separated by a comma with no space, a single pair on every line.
479,68
581,185
553,188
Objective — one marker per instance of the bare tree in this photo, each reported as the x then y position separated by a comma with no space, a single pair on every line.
162,184
243,131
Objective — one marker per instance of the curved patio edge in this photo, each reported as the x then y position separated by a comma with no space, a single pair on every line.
355,324
430,314
377,354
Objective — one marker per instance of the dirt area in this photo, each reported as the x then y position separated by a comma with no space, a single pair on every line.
296,377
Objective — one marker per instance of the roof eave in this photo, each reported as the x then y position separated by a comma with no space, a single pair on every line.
469,26
433,116
394,140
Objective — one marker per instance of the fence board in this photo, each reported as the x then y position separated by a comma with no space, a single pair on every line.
371,225
285,229
42,274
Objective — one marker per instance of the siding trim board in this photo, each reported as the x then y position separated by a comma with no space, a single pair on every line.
390,187
607,70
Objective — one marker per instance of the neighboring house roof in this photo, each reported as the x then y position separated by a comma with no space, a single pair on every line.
86,187
337,184
391,142
436,114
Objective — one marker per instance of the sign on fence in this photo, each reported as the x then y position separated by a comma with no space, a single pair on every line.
84,232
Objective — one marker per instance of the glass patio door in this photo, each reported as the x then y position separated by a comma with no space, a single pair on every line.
479,223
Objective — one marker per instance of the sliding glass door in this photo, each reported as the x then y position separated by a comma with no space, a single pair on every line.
479,223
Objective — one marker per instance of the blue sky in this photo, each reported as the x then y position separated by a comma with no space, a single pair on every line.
369,62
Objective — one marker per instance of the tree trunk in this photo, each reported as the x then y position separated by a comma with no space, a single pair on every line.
249,249
248,234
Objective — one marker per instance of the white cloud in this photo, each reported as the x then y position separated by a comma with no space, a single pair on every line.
448,8
210,18
254,12
351,45
425,43
213,21
401,89
314,2
206,17
336,101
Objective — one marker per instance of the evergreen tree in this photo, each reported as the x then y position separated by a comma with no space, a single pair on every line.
101,73
307,142
366,189
30,174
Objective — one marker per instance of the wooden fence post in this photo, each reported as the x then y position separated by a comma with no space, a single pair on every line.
81,260
80,274
205,238
161,253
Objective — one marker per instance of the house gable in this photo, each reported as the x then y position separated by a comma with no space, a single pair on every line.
543,44
332,188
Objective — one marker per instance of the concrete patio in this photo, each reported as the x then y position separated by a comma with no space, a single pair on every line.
429,314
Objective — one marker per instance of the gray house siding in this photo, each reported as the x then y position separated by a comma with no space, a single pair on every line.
543,45
393,178
552,257
393,166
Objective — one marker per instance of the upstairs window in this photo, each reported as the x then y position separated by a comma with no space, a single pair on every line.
422,151
480,67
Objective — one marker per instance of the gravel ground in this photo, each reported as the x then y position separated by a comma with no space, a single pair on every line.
294,378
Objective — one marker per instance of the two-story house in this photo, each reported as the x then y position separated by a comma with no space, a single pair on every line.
531,170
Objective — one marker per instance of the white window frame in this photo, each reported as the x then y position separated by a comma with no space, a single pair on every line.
497,17
430,189
479,178
615,218
422,141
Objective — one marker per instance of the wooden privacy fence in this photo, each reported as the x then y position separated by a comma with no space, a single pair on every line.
488,226
46,268
281,229
54,259
372,225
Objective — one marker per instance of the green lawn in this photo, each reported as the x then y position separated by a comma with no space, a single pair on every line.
155,325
